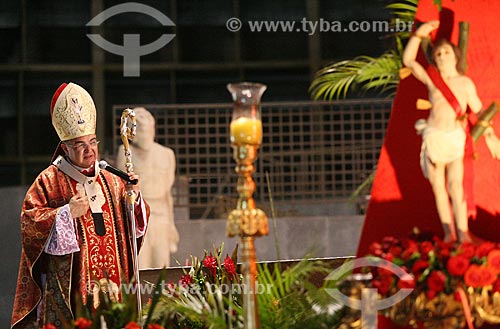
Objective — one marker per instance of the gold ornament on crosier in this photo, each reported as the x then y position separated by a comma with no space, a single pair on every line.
247,221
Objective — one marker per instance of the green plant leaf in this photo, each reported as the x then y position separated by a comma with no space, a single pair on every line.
365,73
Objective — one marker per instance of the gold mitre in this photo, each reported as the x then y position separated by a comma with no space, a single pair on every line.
73,112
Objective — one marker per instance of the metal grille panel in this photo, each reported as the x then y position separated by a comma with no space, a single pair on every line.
313,152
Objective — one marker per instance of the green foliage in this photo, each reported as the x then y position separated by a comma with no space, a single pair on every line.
210,296
287,298
115,315
335,80
157,292
364,72
203,298
292,300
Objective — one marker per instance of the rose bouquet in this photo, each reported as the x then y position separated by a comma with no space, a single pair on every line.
448,280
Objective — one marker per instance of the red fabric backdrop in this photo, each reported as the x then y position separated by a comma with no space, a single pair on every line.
401,197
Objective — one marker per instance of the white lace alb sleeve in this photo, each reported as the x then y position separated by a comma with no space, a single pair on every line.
62,240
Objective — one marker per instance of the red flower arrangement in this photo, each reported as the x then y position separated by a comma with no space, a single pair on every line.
438,270
436,266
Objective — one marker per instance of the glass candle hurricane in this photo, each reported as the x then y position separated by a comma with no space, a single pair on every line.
246,124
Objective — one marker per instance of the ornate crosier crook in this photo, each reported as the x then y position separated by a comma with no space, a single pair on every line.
127,132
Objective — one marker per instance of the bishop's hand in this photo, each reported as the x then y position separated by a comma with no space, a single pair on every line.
78,205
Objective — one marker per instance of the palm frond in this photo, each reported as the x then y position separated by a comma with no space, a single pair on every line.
381,73
210,308
365,73
404,12
156,296
404,9
290,299
334,80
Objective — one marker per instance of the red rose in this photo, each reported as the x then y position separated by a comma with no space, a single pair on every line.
385,272
155,326
383,284
376,249
496,286
426,247
388,257
443,245
410,248
484,249
457,265
82,323
436,281
132,325
494,260
396,251
388,242
479,276
444,253
407,282
420,266
467,249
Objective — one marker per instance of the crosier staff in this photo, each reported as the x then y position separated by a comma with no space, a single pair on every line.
127,132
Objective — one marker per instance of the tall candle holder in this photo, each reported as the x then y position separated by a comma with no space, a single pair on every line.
246,220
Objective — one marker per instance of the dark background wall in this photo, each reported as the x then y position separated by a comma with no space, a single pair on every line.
10,248
44,43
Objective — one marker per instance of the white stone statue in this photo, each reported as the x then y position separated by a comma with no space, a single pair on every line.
155,164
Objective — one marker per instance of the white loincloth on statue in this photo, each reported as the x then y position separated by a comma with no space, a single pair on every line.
438,145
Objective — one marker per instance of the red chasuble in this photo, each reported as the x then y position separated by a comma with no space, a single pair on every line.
401,197
68,277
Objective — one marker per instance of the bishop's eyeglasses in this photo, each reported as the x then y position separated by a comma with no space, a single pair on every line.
81,146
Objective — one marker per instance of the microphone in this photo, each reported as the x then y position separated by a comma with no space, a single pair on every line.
123,175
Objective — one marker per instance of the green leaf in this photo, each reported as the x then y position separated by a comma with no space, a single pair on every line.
365,73
156,294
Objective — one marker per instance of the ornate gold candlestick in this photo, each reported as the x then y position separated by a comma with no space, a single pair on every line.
246,220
